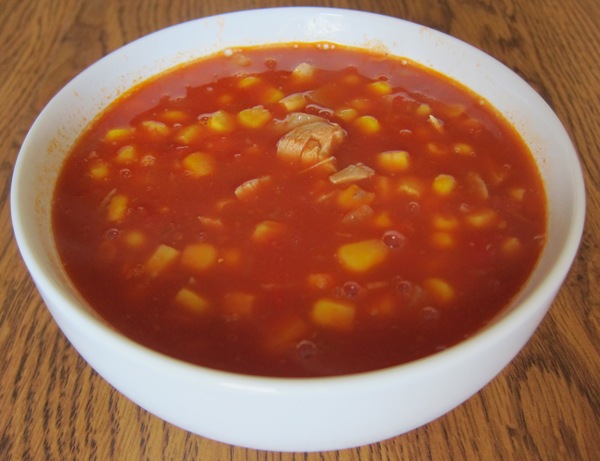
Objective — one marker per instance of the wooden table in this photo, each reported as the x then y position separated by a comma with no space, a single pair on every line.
544,406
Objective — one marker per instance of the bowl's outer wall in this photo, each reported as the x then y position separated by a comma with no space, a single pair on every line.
281,414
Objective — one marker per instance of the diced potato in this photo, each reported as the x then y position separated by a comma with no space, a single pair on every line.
238,304
368,124
254,117
303,72
126,154
266,231
363,255
99,170
192,301
319,281
444,223
354,196
157,129
221,122
199,256
412,187
293,102
380,87
161,259
119,134
481,219
444,184
423,110
333,314
117,207
440,290
347,114
393,161
463,148
199,164
135,239
442,240
511,246
189,134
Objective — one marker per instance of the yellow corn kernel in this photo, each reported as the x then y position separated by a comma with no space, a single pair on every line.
440,290
238,304
517,193
354,196
363,255
444,184
333,314
126,154
189,135
119,134
99,170
135,239
383,186
319,281
175,116
293,102
367,124
347,114
254,117
442,240
511,246
423,110
351,79
192,301
225,99
303,72
285,333
412,187
199,256
436,148
199,164
117,207
481,219
384,305
249,81
231,258
393,161
271,95
362,105
444,223
380,87
266,231
221,121
382,220
161,259
462,148
157,129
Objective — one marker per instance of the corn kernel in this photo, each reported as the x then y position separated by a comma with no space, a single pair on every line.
436,148
354,196
293,102
189,135
423,110
303,72
199,164
517,193
119,134
99,170
440,290
362,256
285,333
444,184
199,256
266,231
481,219
382,220
511,246
320,281
231,258
238,304
126,154
333,314
444,223
135,239
174,116
117,207
249,81
442,240
255,117
192,301
368,124
347,114
157,129
221,122
382,306
161,259
271,95
380,87
393,161
462,148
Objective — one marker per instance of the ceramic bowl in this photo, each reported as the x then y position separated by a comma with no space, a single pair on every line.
295,414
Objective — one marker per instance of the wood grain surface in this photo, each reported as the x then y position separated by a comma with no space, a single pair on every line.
544,406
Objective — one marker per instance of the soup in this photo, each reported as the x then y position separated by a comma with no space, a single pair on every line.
299,210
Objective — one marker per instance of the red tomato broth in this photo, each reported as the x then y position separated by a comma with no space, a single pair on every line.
453,236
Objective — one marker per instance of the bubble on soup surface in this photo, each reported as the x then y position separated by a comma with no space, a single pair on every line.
306,349
393,239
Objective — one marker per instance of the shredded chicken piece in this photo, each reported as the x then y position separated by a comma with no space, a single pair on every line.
477,186
308,144
296,119
352,173
247,190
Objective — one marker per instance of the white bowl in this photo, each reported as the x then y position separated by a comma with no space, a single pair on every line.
295,414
